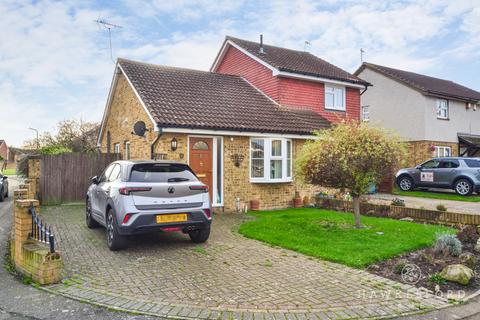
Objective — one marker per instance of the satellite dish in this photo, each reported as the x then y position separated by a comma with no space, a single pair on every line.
139,128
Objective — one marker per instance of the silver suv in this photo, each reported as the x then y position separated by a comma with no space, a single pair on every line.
459,174
133,197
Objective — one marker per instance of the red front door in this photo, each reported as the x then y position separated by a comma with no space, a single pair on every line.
201,160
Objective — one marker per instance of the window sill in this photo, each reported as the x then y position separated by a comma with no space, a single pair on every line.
271,181
444,119
335,110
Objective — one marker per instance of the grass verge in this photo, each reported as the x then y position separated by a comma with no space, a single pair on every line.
331,235
437,195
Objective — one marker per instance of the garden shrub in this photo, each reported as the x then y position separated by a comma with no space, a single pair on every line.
468,234
447,244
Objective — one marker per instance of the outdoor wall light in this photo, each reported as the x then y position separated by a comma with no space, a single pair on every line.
173,144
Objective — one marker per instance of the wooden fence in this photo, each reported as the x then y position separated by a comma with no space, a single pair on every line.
66,177
397,212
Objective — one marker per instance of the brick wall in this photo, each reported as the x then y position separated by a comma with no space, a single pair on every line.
290,92
237,63
4,151
420,151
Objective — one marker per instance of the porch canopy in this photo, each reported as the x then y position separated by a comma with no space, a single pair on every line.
469,145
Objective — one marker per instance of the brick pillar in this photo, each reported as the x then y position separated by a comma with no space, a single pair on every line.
32,188
23,225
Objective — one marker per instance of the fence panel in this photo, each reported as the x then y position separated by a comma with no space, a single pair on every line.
66,177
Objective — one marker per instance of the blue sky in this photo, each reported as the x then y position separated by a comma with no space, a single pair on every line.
55,62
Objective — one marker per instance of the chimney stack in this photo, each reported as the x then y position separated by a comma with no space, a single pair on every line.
261,44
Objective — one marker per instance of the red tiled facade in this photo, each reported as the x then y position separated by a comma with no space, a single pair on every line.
294,93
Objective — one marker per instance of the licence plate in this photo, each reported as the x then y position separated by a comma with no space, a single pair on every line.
165,218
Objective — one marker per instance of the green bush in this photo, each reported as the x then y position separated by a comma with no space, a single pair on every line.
447,244
53,150
437,278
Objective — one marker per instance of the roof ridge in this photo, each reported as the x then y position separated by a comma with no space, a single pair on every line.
162,66
269,45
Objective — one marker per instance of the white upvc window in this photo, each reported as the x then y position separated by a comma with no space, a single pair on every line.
442,109
116,148
443,151
365,113
270,160
335,97
127,150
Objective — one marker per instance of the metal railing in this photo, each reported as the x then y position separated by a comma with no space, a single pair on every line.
40,231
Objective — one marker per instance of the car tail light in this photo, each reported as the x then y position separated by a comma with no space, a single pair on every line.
199,188
208,213
126,191
126,218
171,229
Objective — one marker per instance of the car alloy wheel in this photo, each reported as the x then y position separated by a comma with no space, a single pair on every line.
405,184
463,187
110,230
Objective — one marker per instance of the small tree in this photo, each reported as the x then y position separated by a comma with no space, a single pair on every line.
349,157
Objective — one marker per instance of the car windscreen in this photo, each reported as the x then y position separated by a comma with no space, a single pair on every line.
161,172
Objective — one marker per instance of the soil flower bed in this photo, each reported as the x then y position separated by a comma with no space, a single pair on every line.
430,264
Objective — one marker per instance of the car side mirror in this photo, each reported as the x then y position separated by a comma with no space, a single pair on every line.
95,180
4,177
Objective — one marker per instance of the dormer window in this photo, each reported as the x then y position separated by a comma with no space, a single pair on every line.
442,109
335,97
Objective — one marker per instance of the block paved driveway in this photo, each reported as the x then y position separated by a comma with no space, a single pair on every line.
229,277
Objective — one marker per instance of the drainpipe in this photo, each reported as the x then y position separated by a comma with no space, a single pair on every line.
366,88
154,143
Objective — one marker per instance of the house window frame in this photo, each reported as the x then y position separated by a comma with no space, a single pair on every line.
116,147
286,160
127,150
343,107
443,110
366,115
440,151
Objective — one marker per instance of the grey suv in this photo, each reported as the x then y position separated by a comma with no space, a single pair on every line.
133,197
459,174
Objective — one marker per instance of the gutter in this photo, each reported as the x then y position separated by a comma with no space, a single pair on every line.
155,142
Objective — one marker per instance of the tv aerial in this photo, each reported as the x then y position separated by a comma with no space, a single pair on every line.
109,26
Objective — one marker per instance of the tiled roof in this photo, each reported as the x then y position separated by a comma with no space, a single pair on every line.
299,62
428,85
186,98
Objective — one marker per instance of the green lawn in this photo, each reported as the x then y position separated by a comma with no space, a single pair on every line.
437,195
331,235
9,172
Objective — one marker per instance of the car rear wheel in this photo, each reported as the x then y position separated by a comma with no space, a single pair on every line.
91,223
463,187
115,241
200,235
405,183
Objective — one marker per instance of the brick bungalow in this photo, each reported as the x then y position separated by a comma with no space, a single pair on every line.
238,126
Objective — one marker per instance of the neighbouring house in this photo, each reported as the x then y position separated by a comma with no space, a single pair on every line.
4,154
239,126
437,117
